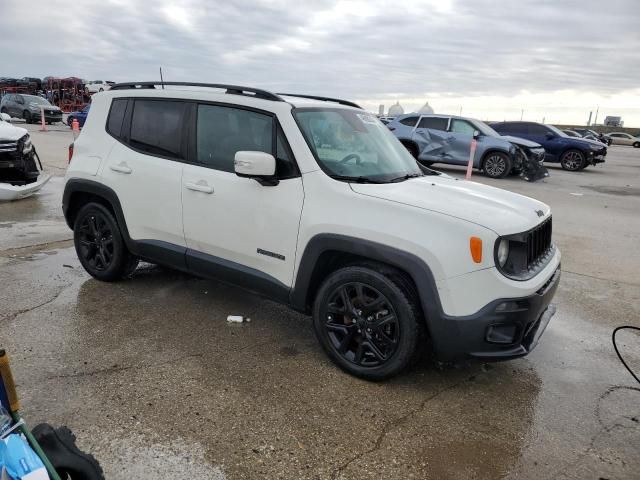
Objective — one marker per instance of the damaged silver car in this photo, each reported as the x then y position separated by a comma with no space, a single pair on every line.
447,139
20,175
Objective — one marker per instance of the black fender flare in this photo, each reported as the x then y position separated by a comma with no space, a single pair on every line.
81,185
412,265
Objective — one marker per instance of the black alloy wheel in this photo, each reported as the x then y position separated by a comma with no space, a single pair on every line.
497,165
361,324
368,322
573,160
99,244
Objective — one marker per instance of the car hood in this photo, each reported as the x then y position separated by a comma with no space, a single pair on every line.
521,141
499,210
11,132
592,142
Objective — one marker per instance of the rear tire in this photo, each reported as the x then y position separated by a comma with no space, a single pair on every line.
27,116
496,165
573,160
368,322
99,244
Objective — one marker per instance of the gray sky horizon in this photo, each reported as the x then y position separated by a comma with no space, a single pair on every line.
557,61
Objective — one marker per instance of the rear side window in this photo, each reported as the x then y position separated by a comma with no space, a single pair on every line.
435,123
156,127
223,131
116,116
409,121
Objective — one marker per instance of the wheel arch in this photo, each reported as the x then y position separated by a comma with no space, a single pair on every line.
326,253
79,192
491,150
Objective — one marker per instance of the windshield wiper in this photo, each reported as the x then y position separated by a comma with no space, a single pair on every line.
358,179
406,177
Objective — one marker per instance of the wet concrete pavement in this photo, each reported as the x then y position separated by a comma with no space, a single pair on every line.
156,384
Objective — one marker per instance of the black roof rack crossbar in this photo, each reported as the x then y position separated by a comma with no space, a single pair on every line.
231,89
325,99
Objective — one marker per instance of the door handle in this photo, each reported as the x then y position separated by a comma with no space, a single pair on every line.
122,167
200,186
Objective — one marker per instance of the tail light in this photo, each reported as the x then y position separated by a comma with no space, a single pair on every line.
70,151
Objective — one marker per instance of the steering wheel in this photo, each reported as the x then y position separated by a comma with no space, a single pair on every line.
349,157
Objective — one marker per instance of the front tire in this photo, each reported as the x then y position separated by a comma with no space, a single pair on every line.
636,145
497,165
573,160
367,322
99,244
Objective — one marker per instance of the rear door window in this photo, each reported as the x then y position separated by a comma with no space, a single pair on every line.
435,123
157,127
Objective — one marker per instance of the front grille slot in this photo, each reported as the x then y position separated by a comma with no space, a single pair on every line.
538,243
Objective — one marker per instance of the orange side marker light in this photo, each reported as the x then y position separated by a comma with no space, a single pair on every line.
475,245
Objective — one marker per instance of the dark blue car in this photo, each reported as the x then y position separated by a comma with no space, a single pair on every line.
81,116
572,153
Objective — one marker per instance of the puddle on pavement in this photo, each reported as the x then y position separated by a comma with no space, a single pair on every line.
621,191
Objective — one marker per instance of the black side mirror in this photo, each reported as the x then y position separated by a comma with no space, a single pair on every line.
476,134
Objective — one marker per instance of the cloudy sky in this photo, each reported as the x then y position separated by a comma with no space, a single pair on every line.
555,60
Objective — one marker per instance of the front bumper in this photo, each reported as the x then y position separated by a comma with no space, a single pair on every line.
503,329
48,116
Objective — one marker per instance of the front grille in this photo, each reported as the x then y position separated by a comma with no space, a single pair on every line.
8,146
538,243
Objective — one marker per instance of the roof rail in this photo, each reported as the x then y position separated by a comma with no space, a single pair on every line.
325,99
231,89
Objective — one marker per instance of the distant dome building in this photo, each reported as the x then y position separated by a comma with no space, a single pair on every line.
426,108
395,110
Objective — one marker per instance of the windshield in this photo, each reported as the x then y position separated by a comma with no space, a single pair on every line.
34,99
352,145
557,131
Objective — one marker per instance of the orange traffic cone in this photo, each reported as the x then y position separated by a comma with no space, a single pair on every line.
75,127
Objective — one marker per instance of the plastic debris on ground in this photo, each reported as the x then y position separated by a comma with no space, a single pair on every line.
238,319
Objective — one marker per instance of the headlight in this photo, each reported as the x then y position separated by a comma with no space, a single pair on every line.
503,252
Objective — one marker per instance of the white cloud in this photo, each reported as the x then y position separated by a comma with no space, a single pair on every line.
493,57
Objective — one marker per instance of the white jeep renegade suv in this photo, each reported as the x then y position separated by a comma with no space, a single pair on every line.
312,202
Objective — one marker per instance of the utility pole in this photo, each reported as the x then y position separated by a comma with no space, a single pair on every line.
460,114
595,122
589,121
521,114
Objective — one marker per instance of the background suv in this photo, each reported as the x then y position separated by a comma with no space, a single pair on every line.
447,139
18,105
572,153
314,203
593,135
